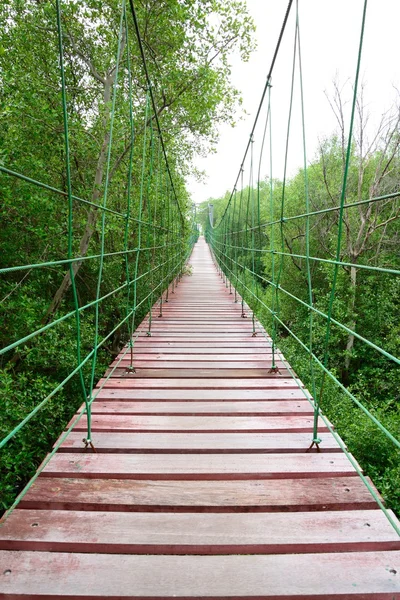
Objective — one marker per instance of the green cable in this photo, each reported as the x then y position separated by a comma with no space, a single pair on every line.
333,262
315,440
251,198
139,232
267,119
342,199
283,196
234,215
162,211
88,440
168,230
61,193
387,355
272,236
129,186
240,217
70,201
372,491
76,370
327,372
150,217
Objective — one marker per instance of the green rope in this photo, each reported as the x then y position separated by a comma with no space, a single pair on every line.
251,199
316,440
149,254
70,202
139,231
129,187
274,331
283,194
342,200
168,230
235,249
54,190
88,440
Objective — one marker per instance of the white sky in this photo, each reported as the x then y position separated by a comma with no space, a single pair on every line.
329,31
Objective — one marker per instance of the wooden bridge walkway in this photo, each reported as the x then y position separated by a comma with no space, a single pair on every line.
201,486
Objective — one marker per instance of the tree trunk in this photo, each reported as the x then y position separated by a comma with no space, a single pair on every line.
350,338
93,211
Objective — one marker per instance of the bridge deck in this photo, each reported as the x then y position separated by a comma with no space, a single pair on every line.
201,486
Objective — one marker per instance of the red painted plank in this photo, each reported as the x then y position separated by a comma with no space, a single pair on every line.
168,357
211,384
262,365
203,346
198,466
189,373
274,408
164,423
332,576
222,395
268,495
201,533
199,442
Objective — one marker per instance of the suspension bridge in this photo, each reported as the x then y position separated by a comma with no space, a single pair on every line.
201,484
199,465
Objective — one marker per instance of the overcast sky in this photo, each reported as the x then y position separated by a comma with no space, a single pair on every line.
329,32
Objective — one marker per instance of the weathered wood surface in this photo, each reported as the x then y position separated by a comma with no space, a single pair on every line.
202,453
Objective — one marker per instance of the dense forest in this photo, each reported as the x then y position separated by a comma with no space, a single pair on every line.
116,160
263,239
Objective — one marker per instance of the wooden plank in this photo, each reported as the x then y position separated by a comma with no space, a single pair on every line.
221,395
332,576
268,495
195,383
274,408
201,365
168,357
198,466
201,317
203,346
225,327
170,423
198,533
199,442
203,373
242,335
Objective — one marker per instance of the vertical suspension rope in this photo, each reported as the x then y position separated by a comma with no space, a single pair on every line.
251,199
235,243
139,230
267,122
149,227
164,248
274,368
283,194
88,441
243,315
70,209
316,440
129,207
342,202
168,238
